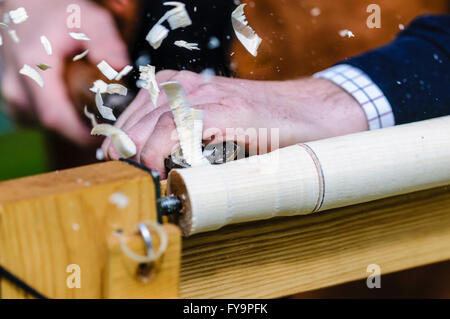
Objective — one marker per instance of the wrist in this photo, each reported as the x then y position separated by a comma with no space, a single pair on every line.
341,110
326,110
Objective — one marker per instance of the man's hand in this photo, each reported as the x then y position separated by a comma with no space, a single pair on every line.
303,110
51,104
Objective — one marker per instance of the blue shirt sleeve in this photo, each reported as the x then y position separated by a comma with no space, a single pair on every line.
414,70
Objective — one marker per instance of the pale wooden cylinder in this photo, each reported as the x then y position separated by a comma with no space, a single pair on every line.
316,176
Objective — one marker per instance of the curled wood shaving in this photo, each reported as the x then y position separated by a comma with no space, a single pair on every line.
3,25
148,78
177,17
90,116
99,85
43,66
46,44
105,88
157,35
187,45
245,34
33,74
116,88
79,36
13,35
107,70
105,112
124,72
189,124
19,15
123,144
80,56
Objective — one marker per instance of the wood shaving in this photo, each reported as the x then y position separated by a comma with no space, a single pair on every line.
105,88
116,88
187,45
13,35
47,45
123,144
33,74
79,36
19,15
43,66
189,124
346,33
157,35
245,34
107,70
148,78
124,72
80,56
105,112
90,116
3,25
177,17
99,85
120,140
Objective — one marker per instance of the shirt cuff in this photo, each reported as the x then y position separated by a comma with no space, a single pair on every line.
377,108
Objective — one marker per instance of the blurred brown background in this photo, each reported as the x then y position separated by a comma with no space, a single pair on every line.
296,43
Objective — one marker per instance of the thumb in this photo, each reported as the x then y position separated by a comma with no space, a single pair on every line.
106,43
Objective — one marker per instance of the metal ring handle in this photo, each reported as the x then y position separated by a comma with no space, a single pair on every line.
145,233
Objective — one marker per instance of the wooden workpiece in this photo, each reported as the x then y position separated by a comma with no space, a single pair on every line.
271,258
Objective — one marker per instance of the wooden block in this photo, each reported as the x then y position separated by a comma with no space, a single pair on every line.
284,256
50,221
121,279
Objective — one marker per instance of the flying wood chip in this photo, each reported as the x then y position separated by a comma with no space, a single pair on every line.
47,45
246,35
33,74
123,144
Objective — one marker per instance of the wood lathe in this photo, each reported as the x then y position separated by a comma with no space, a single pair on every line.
93,218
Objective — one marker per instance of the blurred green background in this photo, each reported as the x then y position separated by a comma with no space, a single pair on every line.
23,152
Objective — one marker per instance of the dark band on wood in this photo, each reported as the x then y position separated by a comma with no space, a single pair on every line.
320,175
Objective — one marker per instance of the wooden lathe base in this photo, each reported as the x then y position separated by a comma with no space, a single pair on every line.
271,258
